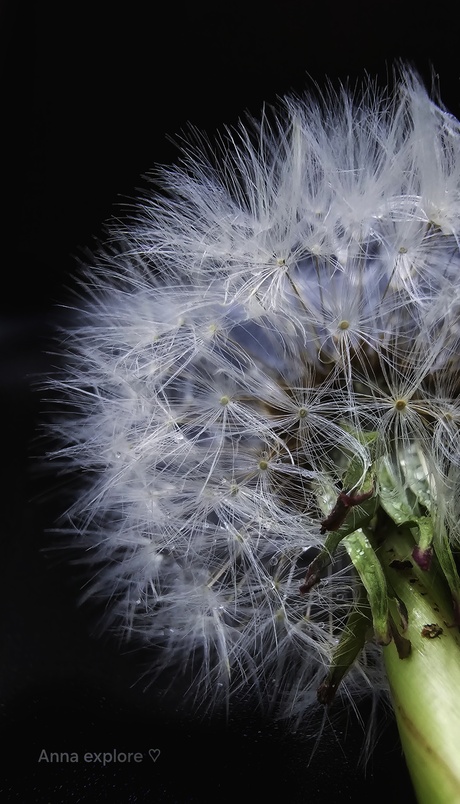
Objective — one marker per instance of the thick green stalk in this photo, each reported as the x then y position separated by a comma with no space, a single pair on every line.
425,687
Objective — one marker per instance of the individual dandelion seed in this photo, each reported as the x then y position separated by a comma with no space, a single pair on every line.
263,388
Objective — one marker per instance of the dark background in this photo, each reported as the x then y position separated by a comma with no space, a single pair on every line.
90,95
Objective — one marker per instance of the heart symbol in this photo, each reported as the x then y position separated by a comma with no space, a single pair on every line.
154,753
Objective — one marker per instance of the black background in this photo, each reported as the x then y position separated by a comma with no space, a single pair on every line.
90,95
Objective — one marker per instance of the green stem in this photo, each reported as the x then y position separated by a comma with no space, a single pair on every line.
425,687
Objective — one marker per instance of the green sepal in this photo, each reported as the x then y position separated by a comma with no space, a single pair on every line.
357,517
370,571
401,607
404,507
355,468
394,499
324,558
351,643
403,645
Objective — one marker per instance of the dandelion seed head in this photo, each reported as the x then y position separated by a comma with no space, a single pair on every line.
293,291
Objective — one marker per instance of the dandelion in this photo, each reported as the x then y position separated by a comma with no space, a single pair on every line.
264,384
